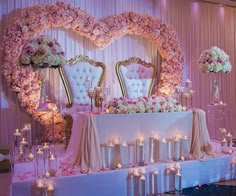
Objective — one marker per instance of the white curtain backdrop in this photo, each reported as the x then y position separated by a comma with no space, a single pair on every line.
198,25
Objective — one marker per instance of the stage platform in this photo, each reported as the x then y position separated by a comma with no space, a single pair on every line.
121,182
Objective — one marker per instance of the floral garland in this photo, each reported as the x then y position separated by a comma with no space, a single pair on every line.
214,60
34,20
151,104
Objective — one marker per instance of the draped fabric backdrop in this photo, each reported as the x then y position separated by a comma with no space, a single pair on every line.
198,25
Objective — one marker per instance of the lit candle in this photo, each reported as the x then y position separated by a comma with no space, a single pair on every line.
23,141
124,154
176,149
151,149
229,139
140,151
223,143
170,149
27,127
131,152
50,187
184,146
162,150
103,155
17,133
45,146
111,155
31,156
47,174
188,83
40,184
222,133
116,140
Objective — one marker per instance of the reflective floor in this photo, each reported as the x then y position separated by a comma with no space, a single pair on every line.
227,188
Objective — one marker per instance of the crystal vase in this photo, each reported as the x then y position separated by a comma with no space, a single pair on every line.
215,88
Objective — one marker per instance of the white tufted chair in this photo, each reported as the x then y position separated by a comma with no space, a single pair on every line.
136,77
74,76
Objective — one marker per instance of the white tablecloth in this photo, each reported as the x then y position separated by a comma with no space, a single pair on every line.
127,127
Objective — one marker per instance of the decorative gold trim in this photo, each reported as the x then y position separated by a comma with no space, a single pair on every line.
71,62
67,86
138,61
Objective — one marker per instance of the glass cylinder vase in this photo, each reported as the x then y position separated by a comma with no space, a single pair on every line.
215,88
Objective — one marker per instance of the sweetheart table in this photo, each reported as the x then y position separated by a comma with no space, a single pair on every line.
91,130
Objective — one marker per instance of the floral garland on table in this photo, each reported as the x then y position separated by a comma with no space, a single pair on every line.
214,60
42,52
34,20
151,104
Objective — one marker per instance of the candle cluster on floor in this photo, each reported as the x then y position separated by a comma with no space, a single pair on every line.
43,157
22,144
140,152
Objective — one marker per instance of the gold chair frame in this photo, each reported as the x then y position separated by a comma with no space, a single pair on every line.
138,61
71,62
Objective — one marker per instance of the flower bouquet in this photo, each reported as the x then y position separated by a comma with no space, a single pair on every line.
42,52
214,60
151,104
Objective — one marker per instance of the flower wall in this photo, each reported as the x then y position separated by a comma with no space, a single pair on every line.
102,32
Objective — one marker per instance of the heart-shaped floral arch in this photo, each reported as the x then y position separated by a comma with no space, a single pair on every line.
34,20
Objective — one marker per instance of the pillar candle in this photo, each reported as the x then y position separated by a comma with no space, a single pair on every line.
176,154
151,149
111,156
170,149
222,133
229,139
156,148
124,154
40,163
140,152
184,146
163,150
103,149
131,151
223,143
17,132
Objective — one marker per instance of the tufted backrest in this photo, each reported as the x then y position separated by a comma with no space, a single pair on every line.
136,77
76,75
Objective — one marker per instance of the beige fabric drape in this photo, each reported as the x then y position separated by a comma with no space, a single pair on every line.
88,154
200,141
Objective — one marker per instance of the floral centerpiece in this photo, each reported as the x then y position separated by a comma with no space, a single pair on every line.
214,60
151,104
42,52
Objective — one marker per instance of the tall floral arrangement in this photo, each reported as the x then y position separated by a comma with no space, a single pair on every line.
42,52
214,60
